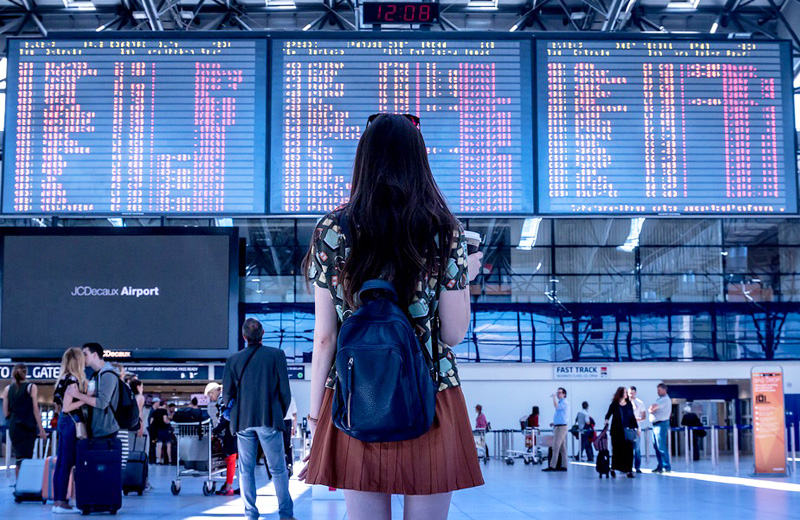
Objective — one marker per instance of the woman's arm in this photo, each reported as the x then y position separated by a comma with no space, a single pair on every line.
36,411
70,404
140,404
610,412
5,402
454,306
454,315
326,331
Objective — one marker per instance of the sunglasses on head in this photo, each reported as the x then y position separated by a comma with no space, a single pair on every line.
411,117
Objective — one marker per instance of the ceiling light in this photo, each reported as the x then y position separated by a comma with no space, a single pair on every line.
280,4
632,242
482,5
79,5
530,232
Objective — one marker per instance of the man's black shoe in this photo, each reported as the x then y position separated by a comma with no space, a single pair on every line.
658,470
638,471
548,468
561,469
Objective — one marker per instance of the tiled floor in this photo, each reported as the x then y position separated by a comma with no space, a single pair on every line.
511,493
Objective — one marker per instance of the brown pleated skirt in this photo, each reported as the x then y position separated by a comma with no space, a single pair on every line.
442,460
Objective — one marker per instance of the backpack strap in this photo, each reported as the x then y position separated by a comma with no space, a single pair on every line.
238,398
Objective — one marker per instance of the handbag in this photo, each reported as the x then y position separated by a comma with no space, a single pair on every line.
80,429
631,434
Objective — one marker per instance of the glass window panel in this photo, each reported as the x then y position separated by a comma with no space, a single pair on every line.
594,260
591,232
680,232
680,260
681,288
596,289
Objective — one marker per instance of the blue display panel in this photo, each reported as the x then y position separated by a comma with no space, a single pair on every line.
136,125
674,127
473,96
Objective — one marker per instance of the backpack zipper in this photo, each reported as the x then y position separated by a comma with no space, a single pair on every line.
349,391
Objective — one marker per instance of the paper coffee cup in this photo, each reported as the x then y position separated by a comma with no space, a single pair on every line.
474,241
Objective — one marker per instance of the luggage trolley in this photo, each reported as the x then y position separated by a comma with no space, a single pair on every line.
480,444
531,455
194,449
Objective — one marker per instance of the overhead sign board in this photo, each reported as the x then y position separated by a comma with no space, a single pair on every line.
574,371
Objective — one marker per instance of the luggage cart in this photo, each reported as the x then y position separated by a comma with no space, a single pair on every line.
480,444
530,455
194,447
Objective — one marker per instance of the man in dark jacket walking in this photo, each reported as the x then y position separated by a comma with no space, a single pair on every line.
256,383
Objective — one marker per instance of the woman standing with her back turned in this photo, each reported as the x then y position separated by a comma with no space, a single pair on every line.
402,231
21,408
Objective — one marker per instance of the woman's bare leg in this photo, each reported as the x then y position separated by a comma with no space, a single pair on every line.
365,505
426,507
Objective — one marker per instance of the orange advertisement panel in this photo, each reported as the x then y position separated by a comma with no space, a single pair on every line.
769,428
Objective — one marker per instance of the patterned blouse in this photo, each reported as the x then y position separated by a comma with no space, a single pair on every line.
329,253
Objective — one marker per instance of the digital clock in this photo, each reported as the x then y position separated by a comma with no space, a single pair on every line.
400,12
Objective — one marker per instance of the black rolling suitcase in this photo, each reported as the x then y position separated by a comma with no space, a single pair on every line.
603,464
98,476
134,476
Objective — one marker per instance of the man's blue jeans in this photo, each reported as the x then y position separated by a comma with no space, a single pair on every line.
637,454
272,442
660,432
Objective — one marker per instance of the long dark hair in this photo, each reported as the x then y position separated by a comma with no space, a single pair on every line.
619,394
395,211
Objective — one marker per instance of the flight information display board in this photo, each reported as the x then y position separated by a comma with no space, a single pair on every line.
473,97
665,127
135,125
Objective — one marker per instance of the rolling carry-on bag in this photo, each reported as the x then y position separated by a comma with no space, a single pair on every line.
603,465
29,481
134,476
98,476
47,482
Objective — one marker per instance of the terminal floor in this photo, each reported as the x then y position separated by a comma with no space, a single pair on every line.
511,493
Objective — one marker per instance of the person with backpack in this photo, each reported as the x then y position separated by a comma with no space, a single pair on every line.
585,425
256,385
391,273
112,408
104,385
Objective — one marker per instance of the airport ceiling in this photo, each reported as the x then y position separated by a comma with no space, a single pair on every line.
762,18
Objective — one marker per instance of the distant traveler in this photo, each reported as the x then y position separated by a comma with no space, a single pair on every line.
585,425
691,420
73,366
533,418
660,412
103,424
21,410
480,421
213,391
256,383
161,431
290,423
396,227
623,431
559,431
640,412
138,392
222,431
